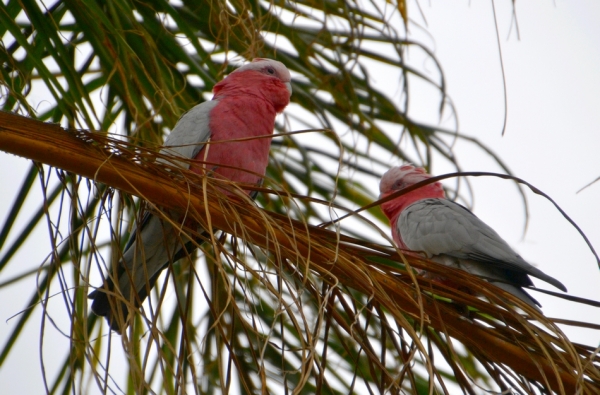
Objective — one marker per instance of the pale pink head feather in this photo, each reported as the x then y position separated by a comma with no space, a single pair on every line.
398,178
265,78
401,177
267,66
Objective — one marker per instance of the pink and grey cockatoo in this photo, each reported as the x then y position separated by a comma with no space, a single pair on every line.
425,221
244,105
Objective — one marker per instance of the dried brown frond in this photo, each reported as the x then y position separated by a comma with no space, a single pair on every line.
338,304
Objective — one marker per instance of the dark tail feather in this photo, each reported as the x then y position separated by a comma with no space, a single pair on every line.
107,304
519,293
110,306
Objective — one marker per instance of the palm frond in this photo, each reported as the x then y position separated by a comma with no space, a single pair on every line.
306,304
280,299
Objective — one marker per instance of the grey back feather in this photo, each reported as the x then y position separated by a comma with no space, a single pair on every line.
440,226
156,234
190,133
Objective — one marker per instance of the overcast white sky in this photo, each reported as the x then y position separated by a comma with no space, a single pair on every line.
552,137
552,140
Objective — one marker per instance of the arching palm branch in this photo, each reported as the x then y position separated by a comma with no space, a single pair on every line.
275,302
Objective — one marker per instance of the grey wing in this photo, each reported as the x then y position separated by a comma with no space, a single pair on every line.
440,226
155,242
150,248
150,242
190,133
156,237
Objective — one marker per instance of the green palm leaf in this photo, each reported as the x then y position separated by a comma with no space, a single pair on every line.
251,313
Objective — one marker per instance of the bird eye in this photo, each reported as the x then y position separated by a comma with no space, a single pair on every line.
271,70
399,185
